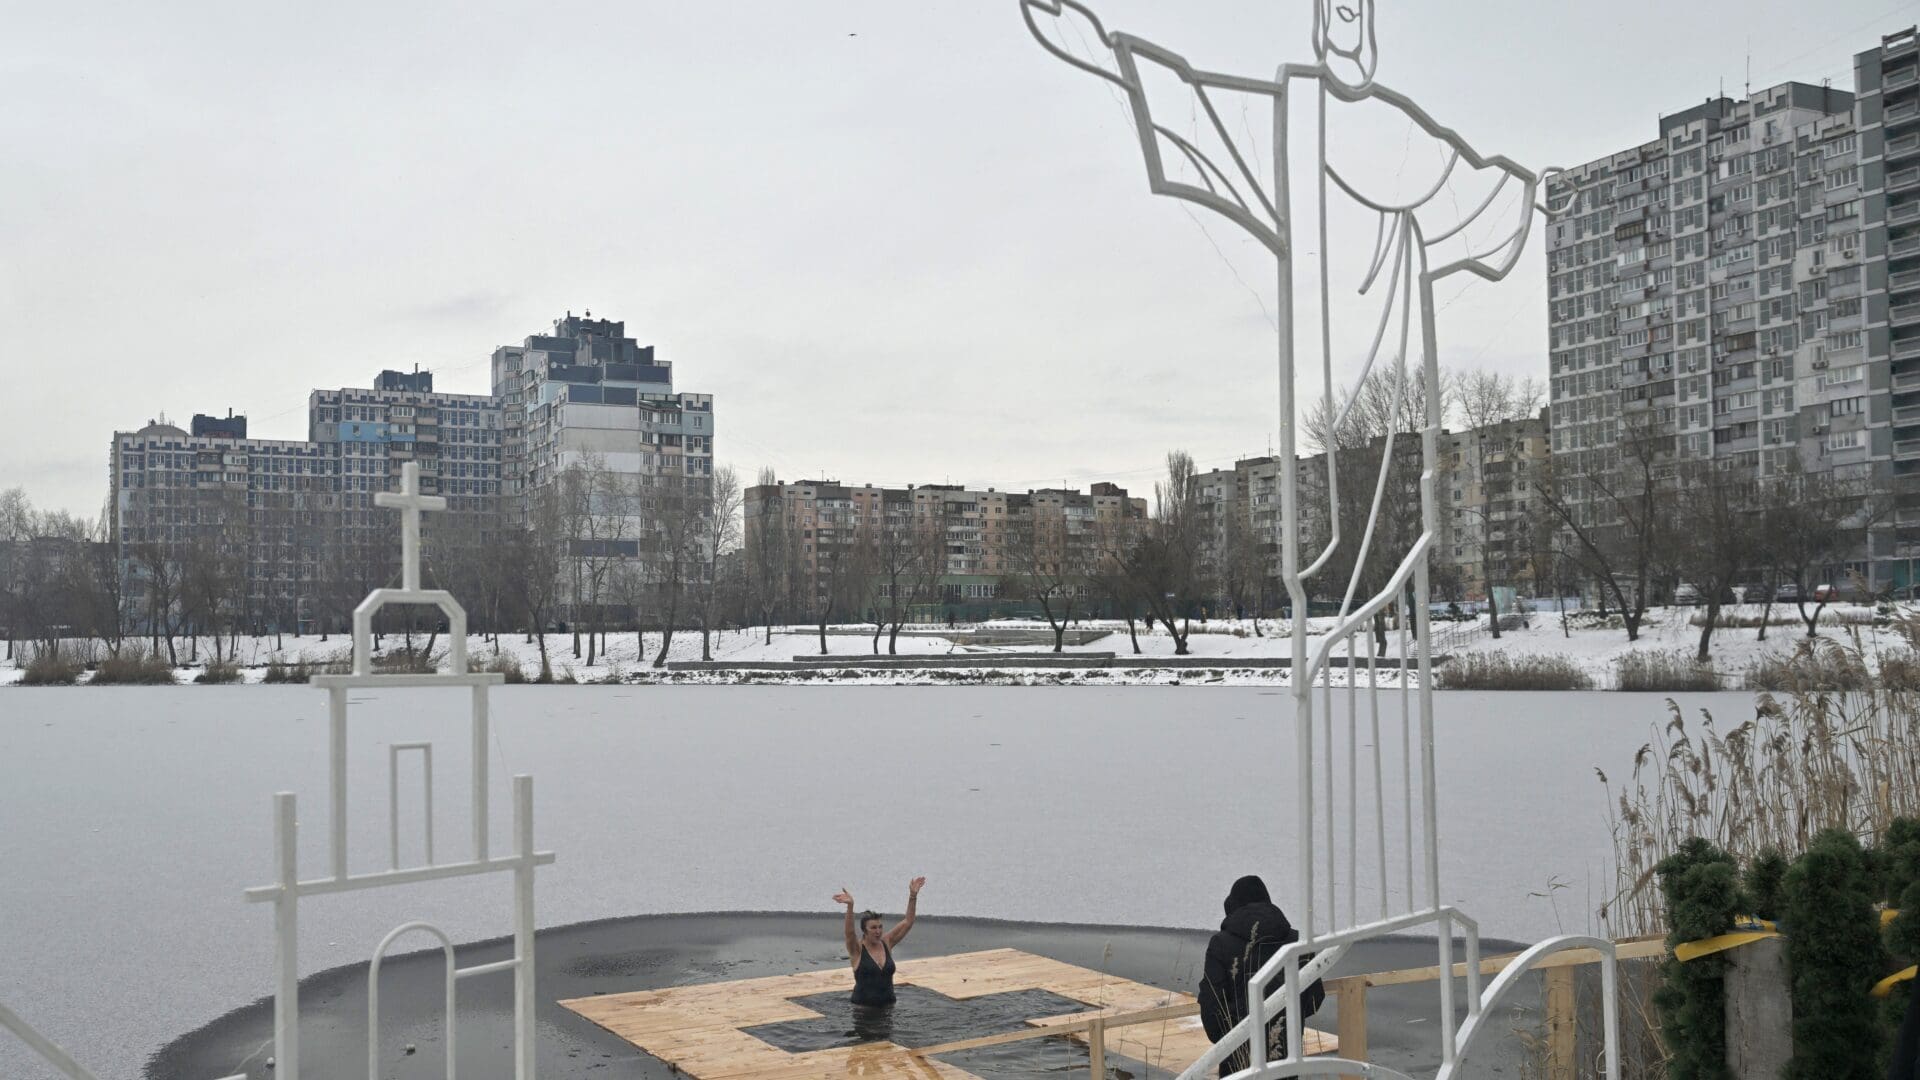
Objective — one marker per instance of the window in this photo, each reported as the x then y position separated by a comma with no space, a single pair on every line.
1852,406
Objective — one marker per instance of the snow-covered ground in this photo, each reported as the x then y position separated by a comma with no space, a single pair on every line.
1595,648
1598,649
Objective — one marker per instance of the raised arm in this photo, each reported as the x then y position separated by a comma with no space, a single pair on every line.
853,939
899,932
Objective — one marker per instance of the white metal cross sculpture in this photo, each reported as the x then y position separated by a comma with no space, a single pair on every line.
287,891
1406,261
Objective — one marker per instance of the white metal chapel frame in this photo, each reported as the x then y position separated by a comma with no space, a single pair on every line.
288,888
1400,277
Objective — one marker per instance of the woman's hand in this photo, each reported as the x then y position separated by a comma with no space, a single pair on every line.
914,886
845,897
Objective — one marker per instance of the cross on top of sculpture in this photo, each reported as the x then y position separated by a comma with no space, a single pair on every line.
410,503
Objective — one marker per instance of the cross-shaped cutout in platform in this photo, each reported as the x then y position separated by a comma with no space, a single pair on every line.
921,1017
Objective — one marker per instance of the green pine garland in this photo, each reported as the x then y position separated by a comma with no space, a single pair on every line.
1701,888
1835,955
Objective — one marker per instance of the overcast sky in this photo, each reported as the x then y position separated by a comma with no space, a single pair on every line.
896,240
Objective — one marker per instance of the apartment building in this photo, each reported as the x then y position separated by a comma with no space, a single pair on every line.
1491,505
1720,294
253,510
589,395
968,530
1888,114
288,514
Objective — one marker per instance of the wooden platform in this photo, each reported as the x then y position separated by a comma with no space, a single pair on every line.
699,1028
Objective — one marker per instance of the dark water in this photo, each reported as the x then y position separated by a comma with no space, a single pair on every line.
922,1017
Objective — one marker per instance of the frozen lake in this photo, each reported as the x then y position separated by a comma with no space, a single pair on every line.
132,819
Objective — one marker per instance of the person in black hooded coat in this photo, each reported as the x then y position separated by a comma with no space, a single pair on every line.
1254,930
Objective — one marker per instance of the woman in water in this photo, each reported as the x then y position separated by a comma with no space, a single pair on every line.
871,950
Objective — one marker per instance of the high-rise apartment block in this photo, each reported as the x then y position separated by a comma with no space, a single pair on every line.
589,395
1744,290
282,516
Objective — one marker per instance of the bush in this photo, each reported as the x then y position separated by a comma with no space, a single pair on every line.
405,663
1663,671
1900,670
219,672
502,663
1835,955
1702,896
133,667
280,671
50,667
1812,666
1500,671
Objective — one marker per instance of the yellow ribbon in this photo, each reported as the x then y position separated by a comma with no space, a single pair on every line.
1693,950
1885,986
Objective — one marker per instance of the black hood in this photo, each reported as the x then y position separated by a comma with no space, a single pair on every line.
1248,890
1258,922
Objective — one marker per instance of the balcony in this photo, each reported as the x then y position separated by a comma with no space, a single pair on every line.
1904,179
1897,114
1905,313
1904,146
1907,414
1907,450
1906,245
1904,77
1904,280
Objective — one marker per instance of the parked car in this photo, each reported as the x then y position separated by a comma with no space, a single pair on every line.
1788,593
1825,593
1684,594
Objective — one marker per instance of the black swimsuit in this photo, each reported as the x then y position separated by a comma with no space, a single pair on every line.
873,983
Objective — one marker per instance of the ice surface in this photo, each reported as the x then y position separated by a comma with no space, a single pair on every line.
132,819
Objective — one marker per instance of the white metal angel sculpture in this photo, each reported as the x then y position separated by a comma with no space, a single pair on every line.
1417,242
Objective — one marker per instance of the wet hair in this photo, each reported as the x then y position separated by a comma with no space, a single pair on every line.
867,917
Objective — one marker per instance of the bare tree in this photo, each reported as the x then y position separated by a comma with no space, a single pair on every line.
1047,562
1371,455
679,527
1486,401
1717,538
1111,572
538,550
1812,523
1618,521
1244,564
161,573
890,556
718,542
1169,566
769,551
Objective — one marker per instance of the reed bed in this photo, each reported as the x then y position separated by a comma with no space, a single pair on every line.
1503,671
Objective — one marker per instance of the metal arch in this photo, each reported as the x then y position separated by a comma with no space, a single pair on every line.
1509,977
373,994
1409,253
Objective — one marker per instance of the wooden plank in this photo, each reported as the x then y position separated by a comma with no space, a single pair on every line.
1560,1024
1350,999
1631,950
699,1028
